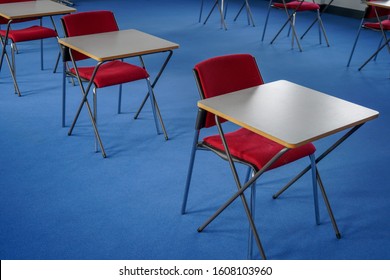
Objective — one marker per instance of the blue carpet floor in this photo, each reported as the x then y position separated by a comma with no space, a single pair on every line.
61,200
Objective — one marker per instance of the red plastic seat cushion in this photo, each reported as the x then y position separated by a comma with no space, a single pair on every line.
376,25
305,6
30,33
256,149
113,73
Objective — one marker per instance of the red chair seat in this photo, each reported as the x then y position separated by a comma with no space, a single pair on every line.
30,33
256,149
113,73
376,25
305,6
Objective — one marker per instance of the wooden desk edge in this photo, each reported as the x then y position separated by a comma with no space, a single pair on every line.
99,59
277,140
379,4
43,14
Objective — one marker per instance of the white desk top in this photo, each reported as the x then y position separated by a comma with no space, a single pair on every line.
287,113
118,44
380,3
28,9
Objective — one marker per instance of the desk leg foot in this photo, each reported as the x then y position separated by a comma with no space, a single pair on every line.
338,235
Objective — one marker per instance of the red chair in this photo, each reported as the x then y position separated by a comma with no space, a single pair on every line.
115,72
370,22
31,33
221,75
292,8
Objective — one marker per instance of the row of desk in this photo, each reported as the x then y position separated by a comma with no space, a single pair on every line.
122,44
282,111
384,4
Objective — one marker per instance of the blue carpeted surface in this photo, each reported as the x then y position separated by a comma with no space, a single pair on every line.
61,200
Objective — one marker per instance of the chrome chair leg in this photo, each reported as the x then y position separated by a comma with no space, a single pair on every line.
252,207
321,25
330,212
156,110
266,20
63,94
249,13
120,99
354,44
315,187
189,172
94,91
201,10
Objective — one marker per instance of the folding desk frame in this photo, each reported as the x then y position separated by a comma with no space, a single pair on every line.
352,127
85,92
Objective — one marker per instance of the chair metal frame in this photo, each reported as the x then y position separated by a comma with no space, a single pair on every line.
291,18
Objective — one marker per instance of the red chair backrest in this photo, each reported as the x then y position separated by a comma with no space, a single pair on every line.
85,23
370,11
224,74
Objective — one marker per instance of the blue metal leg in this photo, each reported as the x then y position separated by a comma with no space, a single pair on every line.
190,169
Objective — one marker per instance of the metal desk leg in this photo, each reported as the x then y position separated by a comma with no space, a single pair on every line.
4,42
241,190
153,84
85,101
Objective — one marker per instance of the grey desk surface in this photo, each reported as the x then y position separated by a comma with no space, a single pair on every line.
287,113
118,44
28,9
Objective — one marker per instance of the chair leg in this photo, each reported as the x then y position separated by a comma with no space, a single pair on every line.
57,62
293,27
189,173
63,93
239,11
322,28
95,115
266,20
156,110
252,208
13,69
330,212
379,45
354,44
201,10
315,187
248,11
120,99
211,11
240,188
41,43
216,4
